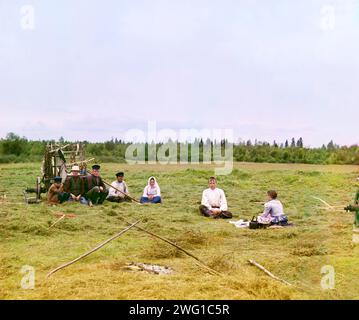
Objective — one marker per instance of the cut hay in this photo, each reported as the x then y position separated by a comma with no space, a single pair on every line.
267,272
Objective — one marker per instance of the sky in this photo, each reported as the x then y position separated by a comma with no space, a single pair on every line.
266,69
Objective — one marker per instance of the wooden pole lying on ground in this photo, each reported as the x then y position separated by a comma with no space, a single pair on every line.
62,216
58,220
328,206
201,263
341,206
268,272
321,200
338,208
93,250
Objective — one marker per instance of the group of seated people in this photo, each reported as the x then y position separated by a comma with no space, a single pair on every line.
91,190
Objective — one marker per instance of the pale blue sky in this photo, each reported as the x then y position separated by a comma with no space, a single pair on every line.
266,68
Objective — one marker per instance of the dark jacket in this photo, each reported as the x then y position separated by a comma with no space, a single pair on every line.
74,185
91,181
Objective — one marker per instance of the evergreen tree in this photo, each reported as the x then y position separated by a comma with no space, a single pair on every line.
300,142
13,148
331,145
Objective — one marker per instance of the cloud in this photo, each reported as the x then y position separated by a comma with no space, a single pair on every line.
94,71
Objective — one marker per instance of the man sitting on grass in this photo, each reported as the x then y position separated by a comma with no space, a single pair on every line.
214,203
95,189
74,186
115,195
273,211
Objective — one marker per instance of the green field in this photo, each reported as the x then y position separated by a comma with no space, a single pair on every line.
296,254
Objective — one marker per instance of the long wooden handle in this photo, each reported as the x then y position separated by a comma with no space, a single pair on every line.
198,261
58,220
108,184
93,250
268,272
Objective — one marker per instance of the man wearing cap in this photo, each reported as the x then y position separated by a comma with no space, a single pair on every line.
74,185
56,193
95,190
119,190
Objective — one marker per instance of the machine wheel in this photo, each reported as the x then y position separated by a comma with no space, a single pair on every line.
38,188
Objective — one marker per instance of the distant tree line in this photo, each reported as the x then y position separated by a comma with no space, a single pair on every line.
14,148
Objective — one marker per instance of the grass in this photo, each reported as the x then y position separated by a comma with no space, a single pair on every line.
295,254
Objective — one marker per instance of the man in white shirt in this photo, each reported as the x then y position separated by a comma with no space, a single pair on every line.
214,203
114,195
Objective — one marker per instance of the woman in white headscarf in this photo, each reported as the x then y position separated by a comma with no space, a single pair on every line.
152,192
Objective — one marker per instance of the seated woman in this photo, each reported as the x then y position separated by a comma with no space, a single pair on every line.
152,192
273,211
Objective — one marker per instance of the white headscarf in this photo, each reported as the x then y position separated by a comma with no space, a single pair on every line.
155,191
